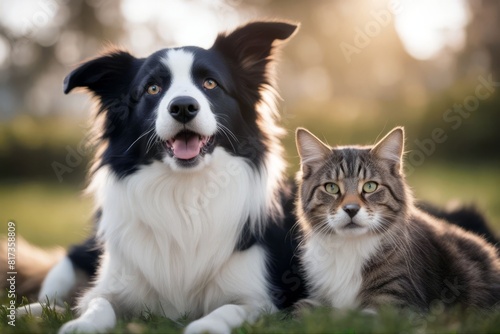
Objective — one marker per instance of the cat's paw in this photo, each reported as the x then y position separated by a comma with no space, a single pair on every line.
207,326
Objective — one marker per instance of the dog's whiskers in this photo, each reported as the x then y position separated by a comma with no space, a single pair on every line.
227,132
135,141
152,141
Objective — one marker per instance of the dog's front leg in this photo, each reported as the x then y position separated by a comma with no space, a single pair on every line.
223,319
98,318
95,307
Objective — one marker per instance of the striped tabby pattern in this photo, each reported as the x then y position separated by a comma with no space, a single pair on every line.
365,244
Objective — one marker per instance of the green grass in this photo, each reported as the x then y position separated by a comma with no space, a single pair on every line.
45,213
443,184
322,320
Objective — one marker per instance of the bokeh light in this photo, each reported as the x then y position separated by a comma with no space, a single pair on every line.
426,27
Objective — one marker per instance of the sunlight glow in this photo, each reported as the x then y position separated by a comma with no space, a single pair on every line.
178,22
24,18
426,27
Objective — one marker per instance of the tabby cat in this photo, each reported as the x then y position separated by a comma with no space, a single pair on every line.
366,244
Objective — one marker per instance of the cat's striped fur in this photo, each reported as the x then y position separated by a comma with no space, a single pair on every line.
364,248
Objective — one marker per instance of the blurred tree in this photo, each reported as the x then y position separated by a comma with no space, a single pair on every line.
57,33
346,70
483,40
473,135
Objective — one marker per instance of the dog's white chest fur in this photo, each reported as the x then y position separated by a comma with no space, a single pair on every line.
170,237
334,268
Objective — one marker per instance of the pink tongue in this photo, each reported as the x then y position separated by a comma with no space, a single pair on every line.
187,149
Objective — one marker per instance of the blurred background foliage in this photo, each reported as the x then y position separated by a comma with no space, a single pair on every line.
356,69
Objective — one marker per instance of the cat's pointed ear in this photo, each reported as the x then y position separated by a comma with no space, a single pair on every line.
312,151
391,147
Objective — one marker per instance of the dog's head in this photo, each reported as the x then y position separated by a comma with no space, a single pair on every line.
179,105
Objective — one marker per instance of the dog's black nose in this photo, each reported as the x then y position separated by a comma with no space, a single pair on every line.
183,108
351,209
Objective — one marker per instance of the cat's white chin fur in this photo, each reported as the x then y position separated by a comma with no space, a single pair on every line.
353,232
334,267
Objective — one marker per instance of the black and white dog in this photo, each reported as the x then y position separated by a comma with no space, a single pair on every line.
194,216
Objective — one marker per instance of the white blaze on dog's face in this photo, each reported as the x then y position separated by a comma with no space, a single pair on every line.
184,119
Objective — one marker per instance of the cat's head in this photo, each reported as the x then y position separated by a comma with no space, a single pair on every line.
352,190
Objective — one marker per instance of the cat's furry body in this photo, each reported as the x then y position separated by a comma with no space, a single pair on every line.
364,249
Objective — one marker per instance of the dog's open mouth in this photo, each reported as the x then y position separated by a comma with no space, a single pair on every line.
187,145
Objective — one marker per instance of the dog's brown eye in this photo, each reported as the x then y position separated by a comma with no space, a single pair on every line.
153,89
209,84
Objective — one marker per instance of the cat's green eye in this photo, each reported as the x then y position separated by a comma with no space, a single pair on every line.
370,186
332,188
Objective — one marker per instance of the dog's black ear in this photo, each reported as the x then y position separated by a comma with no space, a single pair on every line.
251,47
107,75
253,42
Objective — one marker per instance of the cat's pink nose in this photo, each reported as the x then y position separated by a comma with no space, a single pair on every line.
351,209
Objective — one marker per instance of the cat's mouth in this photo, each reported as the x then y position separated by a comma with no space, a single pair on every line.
351,225
352,229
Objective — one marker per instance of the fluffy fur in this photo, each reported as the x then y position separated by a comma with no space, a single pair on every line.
188,185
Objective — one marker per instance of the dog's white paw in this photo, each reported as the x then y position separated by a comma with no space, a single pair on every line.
36,309
207,326
98,318
80,326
